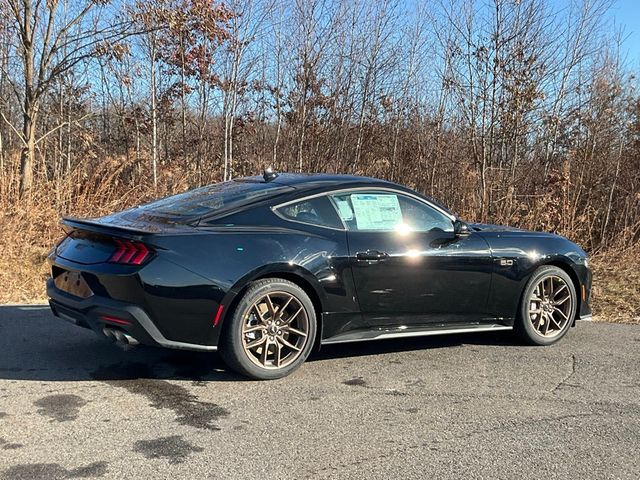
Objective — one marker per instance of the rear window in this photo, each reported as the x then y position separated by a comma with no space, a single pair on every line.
214,198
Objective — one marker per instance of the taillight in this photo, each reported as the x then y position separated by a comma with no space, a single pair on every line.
57,244
60,240
116,320
130,253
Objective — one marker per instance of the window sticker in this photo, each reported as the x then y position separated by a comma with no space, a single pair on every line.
344,209
376,211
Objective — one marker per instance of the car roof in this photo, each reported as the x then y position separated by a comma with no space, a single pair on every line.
308,181
304,183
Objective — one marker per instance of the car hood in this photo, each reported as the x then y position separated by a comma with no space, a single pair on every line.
489,230
487,227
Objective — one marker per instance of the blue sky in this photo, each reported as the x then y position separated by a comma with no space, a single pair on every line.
626,14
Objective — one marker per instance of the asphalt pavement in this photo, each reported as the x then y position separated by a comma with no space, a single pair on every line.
463,406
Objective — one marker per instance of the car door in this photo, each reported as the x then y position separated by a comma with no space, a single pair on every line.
409,267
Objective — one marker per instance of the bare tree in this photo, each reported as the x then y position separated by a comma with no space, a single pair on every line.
246,25
48,48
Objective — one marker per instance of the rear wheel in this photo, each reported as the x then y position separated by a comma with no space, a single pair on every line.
548,306
272,330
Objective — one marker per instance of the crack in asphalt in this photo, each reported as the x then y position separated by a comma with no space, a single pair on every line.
565,380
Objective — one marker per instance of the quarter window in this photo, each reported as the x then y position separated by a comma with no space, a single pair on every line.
314,211
387,211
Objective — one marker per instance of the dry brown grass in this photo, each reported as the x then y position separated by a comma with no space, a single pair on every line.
616,285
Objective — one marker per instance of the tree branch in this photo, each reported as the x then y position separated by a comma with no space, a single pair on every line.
55,129
14,129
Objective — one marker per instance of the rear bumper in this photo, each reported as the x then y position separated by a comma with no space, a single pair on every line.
93,312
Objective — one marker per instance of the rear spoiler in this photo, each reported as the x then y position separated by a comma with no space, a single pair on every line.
98,227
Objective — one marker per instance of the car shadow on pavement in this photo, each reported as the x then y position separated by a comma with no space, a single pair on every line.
36,346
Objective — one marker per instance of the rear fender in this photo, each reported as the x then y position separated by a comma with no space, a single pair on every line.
285,270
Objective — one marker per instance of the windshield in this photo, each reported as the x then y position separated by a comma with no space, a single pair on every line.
214,198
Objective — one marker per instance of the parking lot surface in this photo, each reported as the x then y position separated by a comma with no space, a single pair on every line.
462,406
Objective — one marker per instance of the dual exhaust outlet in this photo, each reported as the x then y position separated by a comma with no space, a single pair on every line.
121,338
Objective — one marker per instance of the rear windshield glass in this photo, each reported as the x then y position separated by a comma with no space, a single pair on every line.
214,198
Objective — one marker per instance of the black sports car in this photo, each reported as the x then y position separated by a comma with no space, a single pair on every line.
265,269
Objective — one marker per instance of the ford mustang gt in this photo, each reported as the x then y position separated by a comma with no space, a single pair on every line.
266,269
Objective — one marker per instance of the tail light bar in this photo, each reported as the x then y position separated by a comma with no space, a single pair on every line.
116,320
130,253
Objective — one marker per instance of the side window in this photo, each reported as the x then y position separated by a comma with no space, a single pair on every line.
388,212
423,218
314,211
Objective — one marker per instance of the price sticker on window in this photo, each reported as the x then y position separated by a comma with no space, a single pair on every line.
376,211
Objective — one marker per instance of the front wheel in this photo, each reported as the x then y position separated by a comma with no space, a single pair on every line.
547,308
271,331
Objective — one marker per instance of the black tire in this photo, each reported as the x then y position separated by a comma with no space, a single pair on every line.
524,325
233,341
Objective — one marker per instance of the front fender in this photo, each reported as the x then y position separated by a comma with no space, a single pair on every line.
524,252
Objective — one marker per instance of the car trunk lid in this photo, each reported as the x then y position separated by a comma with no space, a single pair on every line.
125,237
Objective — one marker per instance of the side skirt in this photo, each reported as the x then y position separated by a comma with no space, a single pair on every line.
382,334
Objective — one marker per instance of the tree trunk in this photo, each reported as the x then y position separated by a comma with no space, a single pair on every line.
302,132
183,77
68,141
28,153
60,159
274,158
225,115
1,154
154,116
30,106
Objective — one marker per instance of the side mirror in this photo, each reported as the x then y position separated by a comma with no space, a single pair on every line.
460,228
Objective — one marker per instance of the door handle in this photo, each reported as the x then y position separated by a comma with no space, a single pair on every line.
375,255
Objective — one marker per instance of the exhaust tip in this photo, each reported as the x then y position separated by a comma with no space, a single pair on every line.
109,333
121,338
125,340
130,340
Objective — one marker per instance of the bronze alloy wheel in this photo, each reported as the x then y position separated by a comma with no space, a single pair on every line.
275,330
550,306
